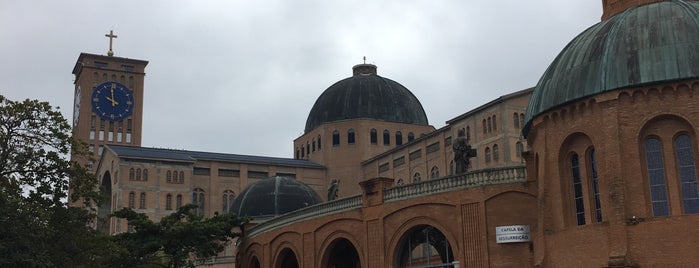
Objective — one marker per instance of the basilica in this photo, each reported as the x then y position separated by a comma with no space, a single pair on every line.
595,166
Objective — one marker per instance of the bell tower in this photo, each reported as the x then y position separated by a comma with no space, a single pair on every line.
108,105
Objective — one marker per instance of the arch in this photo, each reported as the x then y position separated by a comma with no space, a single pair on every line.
254,262
416,177
145,174
198,199
373,136
319,143
434,172
336,139
168,177
423,245
411,136
399,138
577,181
515,120
386,137
350,136
181,177
105,209
287,259
496,153
341,252
227,201
495,123
142,201
168,202
487,154
132,200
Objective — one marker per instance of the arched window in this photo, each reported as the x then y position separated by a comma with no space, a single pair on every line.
521,120
145,174
434,173
131,174
399,138
168,177
114,77
227,201
423,245
298,153
181,177
122,79
336,138
577,190
95,78
490,125
198,199
386,137
595,185
104,77
411,136
314,145
373,136
515,120
178,201
175,178
656,177
485,127
496,152
350,136
131,82
684,155
416,177
318,142
132,200
487,154
138,174
495,123
168,202
142,201
308,148
303,151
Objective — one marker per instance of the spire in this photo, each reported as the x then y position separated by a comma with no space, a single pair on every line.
613,7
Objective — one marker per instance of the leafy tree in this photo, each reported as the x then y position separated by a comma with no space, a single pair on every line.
176,240
38,228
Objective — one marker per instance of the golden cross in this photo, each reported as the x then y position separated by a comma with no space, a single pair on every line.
111,36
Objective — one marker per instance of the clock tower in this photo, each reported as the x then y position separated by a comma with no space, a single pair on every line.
108,101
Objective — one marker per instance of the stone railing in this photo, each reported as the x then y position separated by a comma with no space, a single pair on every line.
445,184
455,182
322,209
214,260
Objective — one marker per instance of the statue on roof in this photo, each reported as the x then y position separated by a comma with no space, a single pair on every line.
462,153
333,189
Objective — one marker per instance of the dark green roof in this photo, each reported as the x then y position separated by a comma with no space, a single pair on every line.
274,196
647,44
135,152
366,95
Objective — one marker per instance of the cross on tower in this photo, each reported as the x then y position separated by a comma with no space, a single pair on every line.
111,36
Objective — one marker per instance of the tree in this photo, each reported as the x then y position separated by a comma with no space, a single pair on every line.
176,240
39,229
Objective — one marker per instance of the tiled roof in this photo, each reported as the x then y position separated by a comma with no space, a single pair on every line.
192,156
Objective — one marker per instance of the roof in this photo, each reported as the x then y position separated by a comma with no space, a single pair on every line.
369,96
274,196
135,152
647,44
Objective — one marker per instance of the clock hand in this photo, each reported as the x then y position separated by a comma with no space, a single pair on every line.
114,102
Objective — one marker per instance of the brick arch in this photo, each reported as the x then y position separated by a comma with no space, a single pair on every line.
393,244
251,251
286,240
331,240
279,261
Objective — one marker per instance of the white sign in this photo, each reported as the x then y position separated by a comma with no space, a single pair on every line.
512,234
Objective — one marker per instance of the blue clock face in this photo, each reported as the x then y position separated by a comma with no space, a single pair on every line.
112,101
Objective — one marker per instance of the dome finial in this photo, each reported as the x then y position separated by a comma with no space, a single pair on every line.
364,59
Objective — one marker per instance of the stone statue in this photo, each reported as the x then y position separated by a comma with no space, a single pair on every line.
462,153
333,188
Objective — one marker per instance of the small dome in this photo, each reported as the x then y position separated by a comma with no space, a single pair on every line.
274,196
366,95
643,45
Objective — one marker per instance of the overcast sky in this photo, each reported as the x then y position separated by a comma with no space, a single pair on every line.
241,76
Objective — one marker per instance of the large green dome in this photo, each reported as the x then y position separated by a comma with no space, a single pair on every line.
366,95
647,44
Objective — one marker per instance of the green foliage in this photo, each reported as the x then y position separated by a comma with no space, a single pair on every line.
38,228
176,239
